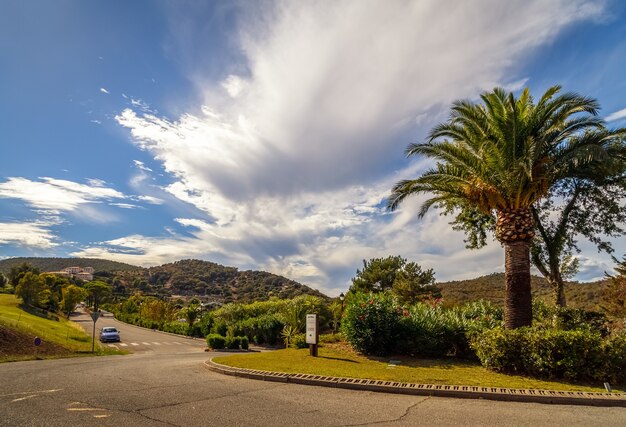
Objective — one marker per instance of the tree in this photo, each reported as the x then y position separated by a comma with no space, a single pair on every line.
413,284
378,274
613,299
72,295
97,292
31,289
16,273
497,159
191,313
406,279
3,281
588,206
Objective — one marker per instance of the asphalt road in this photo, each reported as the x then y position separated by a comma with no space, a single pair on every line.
169,386
140,340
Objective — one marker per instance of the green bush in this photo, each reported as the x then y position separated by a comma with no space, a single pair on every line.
216,341
233,343
371,323
245,343
299,341
547,353
614,349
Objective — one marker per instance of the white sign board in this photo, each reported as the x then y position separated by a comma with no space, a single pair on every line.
311,329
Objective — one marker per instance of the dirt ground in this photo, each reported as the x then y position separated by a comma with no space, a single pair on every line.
17,343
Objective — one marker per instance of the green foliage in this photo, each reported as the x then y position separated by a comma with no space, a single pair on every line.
371,322
244,342
216,341
613,299
406,279
18,270
299,341
31,289
56,264
293,313
98,292
549,353
72,295
233,343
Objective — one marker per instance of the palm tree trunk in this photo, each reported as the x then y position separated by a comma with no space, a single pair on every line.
518,300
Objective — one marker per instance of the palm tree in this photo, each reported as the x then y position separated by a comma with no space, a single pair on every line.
501,156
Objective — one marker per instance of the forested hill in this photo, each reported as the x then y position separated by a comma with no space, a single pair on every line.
204,278
56,264
491,287
186,277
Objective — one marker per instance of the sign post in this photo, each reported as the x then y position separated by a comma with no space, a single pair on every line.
312,333
37,344
94,316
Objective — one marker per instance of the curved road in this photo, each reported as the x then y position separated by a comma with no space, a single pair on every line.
167,385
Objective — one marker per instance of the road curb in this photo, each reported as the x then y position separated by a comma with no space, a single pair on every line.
463,392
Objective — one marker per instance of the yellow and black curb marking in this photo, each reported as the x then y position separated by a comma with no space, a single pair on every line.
465,392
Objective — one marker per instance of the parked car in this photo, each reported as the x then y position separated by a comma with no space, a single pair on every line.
109,334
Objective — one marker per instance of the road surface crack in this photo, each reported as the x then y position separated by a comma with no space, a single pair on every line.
392,420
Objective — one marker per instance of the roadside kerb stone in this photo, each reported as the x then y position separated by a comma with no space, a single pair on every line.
464,392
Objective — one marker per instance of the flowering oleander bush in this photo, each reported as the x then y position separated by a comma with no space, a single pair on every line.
378,324
371,322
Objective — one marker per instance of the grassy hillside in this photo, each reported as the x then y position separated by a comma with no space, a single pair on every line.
59,337
491,288
56,264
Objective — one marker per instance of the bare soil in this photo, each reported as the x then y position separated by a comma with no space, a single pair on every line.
17,343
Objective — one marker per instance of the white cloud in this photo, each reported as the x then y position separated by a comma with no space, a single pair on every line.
291,164
103,90
142,166
57,195
30,234
616,115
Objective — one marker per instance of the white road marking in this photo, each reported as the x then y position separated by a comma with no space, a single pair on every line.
29,392
102,416
145,343
133,343
85,409
24,398
167,343
177,343
124,345
112,346
156,343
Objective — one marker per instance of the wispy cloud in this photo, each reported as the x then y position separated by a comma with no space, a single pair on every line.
29,234
291,161
103,90
616,115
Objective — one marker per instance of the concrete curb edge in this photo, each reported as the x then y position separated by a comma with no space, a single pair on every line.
463,392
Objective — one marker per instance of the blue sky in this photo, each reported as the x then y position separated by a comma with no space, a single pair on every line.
266,135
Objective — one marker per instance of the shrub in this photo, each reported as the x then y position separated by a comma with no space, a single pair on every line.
233,343
244,343
299,341
548,353
371,323
216,341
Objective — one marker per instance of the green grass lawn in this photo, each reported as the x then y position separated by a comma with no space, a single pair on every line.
339,361
53,329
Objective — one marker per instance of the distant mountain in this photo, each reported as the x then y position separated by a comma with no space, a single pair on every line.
491,288
56,264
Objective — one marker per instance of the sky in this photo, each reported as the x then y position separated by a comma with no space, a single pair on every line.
267,135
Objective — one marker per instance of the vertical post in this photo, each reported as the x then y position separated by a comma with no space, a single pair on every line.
93,337
312,333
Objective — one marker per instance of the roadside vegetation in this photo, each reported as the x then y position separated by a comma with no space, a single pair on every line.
59,337
341,361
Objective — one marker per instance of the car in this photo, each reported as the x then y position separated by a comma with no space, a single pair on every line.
109,334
